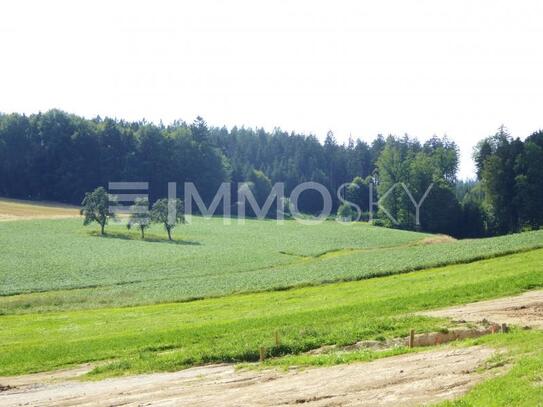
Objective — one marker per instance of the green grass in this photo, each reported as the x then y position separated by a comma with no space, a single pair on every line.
173,336
64,291
62,254
522,384
59,265
328,359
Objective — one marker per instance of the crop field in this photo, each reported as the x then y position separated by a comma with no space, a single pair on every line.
58,264
13,209
218,293
174,336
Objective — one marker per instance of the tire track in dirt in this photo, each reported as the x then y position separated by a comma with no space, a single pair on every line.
404,380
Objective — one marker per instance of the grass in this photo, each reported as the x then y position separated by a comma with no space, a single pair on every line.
58,265
522,384
172,336
329,359
64,291
58,254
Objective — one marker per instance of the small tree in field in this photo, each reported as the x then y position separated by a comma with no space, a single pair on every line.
139,216
95,208
345,212
169,212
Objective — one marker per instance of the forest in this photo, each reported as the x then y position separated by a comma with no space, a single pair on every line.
57,156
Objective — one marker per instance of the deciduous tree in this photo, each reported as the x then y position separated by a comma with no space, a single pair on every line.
169,212
96,208
140,216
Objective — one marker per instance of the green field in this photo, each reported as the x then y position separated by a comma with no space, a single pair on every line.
51,265
70,296
173,336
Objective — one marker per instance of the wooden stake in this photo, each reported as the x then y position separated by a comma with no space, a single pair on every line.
412,338
277,340
262,353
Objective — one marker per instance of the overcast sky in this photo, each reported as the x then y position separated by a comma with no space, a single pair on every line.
359,68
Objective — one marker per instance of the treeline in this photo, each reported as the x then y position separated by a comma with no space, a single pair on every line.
510,192
58,156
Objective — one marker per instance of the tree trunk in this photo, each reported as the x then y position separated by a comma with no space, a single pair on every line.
102,228
142,233
169,233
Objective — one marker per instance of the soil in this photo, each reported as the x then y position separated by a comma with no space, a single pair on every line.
524,310
404,380
423,339
436,239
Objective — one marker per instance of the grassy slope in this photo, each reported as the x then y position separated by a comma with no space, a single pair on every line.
55,254
522,384
172,336
61,266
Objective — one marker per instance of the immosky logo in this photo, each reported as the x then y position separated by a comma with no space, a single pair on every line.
276,200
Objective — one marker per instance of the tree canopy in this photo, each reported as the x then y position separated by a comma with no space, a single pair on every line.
97,207
59,156
168,212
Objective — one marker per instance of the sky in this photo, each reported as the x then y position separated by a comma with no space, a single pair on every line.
358,68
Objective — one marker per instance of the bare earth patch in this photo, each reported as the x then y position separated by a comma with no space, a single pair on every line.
39,379
12,209
401,380
436,239
524,310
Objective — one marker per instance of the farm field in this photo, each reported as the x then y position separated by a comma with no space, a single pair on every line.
14,209
53,265
219,293
168,337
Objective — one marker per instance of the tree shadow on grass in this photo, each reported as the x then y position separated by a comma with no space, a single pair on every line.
148,238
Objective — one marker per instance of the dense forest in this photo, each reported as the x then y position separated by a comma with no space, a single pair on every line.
58,156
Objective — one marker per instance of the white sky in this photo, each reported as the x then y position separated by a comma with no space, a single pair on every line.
459,68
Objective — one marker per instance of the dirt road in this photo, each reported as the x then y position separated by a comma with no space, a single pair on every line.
403,380
524,310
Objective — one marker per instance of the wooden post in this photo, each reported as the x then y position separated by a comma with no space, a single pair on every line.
262,353
277,340
412,338
505,329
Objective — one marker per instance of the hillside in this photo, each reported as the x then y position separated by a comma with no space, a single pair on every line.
121,305
59,264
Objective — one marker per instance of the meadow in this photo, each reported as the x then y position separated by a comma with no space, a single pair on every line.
220,292
54,265
231,329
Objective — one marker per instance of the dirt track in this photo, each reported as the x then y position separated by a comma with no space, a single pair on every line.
524,310
403,380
